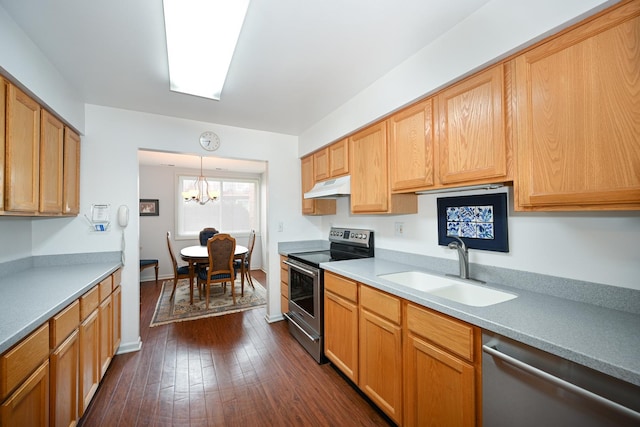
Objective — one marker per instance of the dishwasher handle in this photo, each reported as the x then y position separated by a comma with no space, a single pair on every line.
560,382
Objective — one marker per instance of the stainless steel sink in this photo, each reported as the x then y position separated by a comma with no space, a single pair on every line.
458,290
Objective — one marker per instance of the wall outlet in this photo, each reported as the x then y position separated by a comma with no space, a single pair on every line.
399,229
280,226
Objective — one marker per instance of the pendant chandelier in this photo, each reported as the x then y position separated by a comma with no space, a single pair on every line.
200,193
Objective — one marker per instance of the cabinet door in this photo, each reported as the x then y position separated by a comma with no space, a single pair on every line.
321,165
22,152
29,404
339,158
71,198
471,135
369,178
439,388
284,286
341,334
577,114
65,361
411,147
312,206
381,362
89,359
106,334
3,107
306,166
51,163
117,325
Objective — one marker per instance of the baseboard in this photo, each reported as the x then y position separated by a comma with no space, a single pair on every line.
274,318
129,347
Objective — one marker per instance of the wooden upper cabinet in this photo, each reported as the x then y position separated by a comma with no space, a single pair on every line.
321,165
51,160
411,147
3,106
370,191
313,206
332,161
22,152
577,117
71,192
339,158
369,177
471,129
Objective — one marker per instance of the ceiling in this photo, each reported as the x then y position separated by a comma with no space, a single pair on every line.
296,61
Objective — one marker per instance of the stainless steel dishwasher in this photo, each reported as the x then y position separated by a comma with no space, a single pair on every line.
523,386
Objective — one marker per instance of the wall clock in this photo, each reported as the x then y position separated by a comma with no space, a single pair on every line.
209,141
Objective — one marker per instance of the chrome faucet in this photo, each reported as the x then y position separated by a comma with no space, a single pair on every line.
463,256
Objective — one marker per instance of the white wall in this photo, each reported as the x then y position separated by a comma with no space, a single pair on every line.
594,247
109,174
24,62
159,182
494,31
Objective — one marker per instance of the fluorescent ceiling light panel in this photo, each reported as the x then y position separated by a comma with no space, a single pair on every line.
201,39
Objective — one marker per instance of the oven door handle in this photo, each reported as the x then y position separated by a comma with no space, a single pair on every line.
312,338
297,267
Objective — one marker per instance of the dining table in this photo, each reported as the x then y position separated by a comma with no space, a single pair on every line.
199,254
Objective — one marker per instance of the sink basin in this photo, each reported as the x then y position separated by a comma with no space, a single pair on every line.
418,280
458,290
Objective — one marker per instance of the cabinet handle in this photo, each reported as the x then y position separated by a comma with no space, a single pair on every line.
560,382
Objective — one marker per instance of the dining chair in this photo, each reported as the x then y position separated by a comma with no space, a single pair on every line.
179,272
247,259
221,269
205,234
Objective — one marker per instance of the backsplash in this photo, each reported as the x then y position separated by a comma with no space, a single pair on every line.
613,297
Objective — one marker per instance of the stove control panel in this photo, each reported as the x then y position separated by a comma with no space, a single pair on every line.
351,235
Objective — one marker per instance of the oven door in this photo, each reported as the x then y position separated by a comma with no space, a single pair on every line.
305,294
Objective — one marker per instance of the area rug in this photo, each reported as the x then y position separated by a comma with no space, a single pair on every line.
179,309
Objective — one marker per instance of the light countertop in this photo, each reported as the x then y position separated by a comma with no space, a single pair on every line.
30,297
601,338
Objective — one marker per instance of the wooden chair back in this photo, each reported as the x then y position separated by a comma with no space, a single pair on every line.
221,248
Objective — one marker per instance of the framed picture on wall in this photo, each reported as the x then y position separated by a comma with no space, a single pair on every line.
480,221
149,207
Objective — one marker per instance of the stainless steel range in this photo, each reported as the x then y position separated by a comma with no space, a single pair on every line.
306,284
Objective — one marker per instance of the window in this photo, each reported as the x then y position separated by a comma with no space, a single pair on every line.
236,211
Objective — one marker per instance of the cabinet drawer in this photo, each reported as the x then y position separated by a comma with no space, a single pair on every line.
380,303
117,278
63,323
105,288
89,302
284,289
19,362
452,335
284,276
340,286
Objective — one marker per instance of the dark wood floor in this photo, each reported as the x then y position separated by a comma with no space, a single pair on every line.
228,370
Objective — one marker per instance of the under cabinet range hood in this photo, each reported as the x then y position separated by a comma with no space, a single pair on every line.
330,189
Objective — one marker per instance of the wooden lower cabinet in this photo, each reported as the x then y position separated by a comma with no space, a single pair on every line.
381,350
64,382
106,334
442,372
117,327
29,404
50,377
89,359
341,324
420,367
284,285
